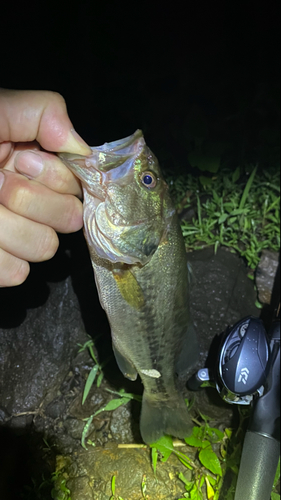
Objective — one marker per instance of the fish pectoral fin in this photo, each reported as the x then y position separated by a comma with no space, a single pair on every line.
129,287
126,367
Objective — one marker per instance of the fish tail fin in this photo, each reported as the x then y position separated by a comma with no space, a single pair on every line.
168,417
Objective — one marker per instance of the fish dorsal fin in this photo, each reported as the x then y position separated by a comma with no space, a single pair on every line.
129,287
126,367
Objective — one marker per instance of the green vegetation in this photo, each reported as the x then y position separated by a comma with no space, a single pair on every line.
113,497
113,489
123,399
207,470
143,487
61,492
39,490
96,370
218,454
274,494
238,209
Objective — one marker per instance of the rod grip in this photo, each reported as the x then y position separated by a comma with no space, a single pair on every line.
258,466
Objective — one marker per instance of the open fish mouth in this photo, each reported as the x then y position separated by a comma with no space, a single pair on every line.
123,218
108,163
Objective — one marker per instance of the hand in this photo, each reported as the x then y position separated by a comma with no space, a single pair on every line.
38,194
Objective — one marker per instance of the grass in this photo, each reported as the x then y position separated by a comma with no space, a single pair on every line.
96,371
218,453
207,469
123,399
237,209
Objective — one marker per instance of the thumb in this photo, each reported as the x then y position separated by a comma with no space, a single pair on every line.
27,115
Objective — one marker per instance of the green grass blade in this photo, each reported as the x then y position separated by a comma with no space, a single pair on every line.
247,188
277,475
124,394
89,382
100,379
85,431
113,480
154,457
112,405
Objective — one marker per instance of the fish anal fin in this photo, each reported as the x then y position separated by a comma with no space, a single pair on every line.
129,287
126,367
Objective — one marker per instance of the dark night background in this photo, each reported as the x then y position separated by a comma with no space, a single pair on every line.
122,66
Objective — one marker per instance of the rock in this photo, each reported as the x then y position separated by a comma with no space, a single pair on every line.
220,295
35,356
118,424
265,275
90,474
74,427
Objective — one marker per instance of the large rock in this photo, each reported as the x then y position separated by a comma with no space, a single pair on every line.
45,328
221,293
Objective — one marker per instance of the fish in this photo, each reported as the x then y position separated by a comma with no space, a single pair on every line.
140,267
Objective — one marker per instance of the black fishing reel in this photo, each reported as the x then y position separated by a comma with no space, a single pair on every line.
246,371
242,365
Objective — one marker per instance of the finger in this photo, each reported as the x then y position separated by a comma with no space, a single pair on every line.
26,239
28,198
38,115
47,169
8,156
6,149
13,271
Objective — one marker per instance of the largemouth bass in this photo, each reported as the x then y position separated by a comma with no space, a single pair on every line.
140,266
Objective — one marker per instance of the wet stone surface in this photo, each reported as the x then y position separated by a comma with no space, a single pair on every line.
89,475
42,377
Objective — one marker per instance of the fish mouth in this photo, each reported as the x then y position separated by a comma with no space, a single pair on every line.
127,145
107,163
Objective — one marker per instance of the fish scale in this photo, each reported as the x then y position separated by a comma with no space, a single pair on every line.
140,269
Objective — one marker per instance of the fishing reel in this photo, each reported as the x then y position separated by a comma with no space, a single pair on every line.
242,364
246,371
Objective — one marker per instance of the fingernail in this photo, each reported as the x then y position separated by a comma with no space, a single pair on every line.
29,163
75,144
2,178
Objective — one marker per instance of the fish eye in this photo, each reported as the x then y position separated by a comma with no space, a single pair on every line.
148,179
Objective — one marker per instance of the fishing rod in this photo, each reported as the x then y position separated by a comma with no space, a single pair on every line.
247,372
